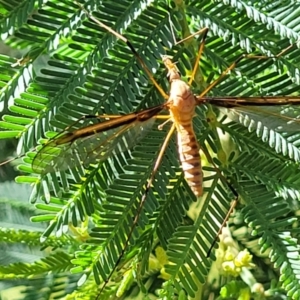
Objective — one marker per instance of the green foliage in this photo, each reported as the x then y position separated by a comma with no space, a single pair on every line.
72,68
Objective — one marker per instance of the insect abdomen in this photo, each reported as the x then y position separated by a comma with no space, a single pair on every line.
188,149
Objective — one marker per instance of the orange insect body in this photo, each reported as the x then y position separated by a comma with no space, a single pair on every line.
182,105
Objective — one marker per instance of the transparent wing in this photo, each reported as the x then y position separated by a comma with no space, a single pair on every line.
280,113
58,155
277,118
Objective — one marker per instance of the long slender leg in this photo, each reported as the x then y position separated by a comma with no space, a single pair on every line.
234,64
161,153
203,93
140,207
168,137
160,156
230,68
131,47
207,154
200,51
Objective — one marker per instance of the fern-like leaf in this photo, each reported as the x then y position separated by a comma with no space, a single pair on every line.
72,67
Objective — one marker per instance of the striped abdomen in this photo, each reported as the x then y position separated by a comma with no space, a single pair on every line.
182,105
188,149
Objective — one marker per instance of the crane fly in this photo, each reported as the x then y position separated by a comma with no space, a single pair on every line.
99,141
96,142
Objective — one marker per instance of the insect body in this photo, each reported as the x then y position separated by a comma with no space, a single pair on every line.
91,143
126,224
182,105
